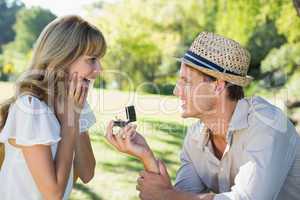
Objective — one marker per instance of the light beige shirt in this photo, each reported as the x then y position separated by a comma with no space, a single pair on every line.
261,160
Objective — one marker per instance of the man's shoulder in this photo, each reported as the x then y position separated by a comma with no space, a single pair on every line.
264,115
263,106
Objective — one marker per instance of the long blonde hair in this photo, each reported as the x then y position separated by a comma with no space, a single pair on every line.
61,42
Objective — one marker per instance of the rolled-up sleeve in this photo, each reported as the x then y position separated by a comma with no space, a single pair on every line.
269,157
187,178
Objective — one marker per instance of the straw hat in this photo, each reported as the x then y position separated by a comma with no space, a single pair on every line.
219,57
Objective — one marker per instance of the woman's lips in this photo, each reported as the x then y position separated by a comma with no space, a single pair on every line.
87,80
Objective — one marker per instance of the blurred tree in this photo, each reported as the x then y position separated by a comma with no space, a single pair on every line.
288,23
140,46
251,23
237,19
29,25
280,64
264,38
283,61
30,22
297,6
143,36
143,42
8,10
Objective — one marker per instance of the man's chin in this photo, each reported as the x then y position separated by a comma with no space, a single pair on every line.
185,115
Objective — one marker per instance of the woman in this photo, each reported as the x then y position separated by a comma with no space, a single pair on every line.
44,127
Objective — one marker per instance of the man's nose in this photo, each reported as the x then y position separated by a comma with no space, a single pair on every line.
177,91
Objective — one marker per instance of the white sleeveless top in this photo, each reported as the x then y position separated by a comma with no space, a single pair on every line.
31,121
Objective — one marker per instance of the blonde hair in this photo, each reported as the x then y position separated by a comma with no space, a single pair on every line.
61,42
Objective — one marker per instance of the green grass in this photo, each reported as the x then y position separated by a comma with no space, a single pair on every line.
116,173
158,120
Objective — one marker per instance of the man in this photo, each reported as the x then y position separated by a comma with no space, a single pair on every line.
241,148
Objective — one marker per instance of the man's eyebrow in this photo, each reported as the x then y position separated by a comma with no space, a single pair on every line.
184,78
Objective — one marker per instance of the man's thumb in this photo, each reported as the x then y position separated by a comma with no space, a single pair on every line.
163,169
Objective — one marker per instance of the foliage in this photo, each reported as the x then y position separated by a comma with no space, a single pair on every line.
29,24
8,10
144,37
252,23
280,64
143,41
288,23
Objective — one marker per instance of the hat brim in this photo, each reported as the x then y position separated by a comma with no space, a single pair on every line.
234,79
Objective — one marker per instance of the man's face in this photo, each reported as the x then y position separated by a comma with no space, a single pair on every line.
196,93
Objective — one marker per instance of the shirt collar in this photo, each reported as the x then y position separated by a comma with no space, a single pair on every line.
200,134
239,119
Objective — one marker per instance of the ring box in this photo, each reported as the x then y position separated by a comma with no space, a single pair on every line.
131,117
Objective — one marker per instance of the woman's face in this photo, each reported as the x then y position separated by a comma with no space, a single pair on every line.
87,68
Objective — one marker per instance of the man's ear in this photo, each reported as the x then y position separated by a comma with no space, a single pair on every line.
220,86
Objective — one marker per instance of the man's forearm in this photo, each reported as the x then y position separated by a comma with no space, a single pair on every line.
174,194
150,163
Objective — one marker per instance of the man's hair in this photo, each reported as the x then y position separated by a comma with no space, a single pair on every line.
235,92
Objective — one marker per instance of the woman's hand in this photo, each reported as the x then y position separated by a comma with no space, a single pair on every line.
50,176
68,107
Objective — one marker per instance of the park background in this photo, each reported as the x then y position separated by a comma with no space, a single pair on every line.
143,38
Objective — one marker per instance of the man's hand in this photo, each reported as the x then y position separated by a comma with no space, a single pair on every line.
131,142
154,186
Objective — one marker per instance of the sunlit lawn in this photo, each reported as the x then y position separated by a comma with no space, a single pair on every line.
158,120
116,174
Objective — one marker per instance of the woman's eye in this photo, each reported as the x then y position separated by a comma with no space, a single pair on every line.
93,60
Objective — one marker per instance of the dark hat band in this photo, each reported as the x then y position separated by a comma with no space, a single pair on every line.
203,62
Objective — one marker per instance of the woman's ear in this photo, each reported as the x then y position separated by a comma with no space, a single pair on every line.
220,86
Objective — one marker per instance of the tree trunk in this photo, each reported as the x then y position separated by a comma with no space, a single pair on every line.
297,6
